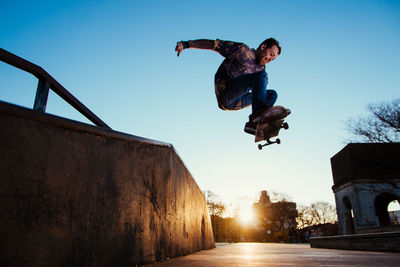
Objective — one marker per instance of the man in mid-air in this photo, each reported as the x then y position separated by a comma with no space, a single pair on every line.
241,79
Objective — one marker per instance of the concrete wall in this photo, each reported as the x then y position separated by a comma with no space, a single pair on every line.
73,194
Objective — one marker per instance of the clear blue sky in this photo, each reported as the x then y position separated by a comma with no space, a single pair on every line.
118,58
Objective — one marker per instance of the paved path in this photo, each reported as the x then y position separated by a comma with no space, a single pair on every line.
273,254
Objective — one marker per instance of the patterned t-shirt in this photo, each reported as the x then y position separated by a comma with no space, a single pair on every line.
239,59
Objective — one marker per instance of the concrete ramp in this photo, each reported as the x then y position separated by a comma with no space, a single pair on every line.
75,194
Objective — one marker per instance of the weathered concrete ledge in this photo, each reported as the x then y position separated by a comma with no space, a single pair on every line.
75,194
366,161
388,242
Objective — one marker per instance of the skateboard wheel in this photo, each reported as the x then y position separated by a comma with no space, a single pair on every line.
259,147
278,141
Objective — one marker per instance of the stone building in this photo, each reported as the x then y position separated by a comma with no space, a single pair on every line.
366,179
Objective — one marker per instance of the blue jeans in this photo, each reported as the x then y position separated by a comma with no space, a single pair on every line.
246,90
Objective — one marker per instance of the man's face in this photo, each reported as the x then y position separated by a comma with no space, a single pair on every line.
266,55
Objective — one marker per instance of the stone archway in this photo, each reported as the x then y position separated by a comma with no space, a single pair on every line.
348,213
381,204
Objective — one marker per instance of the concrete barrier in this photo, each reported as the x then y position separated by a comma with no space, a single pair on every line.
387,242
74,194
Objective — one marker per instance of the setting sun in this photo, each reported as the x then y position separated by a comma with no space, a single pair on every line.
246,215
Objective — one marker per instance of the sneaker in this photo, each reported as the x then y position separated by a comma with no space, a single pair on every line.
250,127
256,115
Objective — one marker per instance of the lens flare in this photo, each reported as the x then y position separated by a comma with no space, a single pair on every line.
246,215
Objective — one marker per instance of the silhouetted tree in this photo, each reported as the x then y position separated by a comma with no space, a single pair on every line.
323,212
381,126
215,206
279,196
315,214
284,214
263,211
279,215
304,217
216,209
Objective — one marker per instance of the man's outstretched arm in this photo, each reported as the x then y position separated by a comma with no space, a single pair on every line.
197,44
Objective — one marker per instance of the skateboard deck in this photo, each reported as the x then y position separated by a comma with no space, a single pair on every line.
270,124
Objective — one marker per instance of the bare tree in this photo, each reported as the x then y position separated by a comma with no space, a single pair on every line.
323,212
277,215
279,197
381,126
215,206
304,217
315,214
284,215
263,211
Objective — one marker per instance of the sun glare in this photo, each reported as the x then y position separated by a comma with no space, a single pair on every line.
246,215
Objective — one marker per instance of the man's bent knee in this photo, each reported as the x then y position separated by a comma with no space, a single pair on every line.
272,96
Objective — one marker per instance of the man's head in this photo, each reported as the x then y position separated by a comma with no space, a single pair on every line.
268,51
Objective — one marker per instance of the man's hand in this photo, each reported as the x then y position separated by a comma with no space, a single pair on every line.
179,48
197,44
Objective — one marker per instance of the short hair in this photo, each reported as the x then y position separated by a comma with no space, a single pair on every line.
270,42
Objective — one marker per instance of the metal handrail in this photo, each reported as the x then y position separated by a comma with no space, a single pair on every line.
46,82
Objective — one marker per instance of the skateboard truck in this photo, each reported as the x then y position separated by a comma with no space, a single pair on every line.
285,126
269,126
269,142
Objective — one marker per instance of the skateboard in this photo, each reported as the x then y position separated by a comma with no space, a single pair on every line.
271,122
